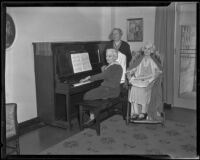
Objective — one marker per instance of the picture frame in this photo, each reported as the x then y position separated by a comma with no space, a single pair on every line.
135,30
10,31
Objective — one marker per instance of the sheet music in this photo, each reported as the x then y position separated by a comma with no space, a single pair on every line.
81,62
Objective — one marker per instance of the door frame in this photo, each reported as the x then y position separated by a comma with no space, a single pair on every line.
189,103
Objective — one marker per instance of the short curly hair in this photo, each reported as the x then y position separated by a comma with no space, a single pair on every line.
111,33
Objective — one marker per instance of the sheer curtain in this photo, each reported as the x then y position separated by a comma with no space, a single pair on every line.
164,42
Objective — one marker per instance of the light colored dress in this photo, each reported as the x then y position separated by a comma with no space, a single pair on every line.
143,80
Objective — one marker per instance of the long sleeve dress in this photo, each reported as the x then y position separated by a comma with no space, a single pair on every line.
110,87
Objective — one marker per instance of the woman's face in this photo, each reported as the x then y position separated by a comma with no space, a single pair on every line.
110,57
116,35
147,51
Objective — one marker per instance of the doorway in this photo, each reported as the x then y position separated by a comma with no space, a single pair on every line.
185,55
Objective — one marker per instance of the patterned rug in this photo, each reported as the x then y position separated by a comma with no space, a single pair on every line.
174,139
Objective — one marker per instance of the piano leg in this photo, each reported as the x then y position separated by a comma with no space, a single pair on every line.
63,117
68,110
70,125
98,125
81,117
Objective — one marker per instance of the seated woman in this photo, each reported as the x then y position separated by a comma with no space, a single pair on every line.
142,75
111,76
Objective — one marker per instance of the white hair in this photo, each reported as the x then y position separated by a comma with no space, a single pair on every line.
113,51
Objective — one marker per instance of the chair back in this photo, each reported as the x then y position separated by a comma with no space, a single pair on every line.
11,121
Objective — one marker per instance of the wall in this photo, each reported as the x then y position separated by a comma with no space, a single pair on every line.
121,14
35,24
45,24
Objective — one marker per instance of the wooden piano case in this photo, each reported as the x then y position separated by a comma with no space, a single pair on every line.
55,95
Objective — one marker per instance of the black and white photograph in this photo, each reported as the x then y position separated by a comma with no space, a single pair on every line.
135,30
104,79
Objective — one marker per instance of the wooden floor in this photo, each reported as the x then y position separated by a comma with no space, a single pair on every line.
37,140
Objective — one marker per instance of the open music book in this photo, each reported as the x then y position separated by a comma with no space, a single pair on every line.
81,62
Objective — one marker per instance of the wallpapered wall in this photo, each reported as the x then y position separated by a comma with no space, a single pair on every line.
49,24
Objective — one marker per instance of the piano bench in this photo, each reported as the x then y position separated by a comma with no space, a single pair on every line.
97,107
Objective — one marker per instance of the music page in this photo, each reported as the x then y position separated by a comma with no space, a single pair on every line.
81,62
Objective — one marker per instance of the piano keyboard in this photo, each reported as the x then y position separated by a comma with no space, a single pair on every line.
81,83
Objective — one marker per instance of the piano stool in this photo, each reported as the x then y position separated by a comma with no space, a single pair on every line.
98,107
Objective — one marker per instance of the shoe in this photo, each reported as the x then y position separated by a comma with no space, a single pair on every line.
89,122
142,116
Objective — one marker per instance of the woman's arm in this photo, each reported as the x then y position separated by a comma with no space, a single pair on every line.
128,54
99,76
93,78
111,71
85,79
131,73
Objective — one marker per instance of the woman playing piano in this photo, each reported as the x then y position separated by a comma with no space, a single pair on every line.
111,76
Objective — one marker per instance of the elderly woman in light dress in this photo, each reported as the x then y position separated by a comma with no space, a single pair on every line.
142,77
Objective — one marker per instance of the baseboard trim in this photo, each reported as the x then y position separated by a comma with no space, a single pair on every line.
35,121
26,125
167,106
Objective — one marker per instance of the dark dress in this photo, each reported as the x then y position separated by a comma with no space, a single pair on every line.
110,87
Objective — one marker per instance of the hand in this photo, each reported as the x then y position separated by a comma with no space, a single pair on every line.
85,79
128,74
131,71
103,68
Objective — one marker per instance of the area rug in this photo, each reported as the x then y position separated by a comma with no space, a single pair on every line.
178,140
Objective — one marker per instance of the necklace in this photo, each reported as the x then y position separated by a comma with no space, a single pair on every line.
117,45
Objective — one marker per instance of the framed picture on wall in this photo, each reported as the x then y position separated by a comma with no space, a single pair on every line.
135,30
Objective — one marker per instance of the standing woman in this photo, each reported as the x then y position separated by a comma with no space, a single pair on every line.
124,58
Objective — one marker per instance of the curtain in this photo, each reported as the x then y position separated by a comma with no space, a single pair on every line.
164,42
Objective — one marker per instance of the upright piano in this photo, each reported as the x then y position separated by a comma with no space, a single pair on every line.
59,93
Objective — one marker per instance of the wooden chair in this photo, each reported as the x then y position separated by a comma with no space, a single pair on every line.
12,131
98,107
155,105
